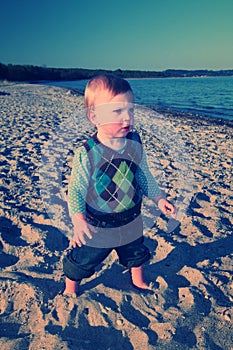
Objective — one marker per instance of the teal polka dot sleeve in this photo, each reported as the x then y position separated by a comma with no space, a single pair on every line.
79,181
146,180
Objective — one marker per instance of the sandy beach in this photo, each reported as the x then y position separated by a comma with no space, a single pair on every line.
191,306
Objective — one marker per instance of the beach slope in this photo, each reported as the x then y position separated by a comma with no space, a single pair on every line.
191,265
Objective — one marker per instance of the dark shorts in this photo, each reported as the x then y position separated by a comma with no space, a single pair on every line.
80,262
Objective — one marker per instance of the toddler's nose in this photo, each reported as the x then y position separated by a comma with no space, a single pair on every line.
127,116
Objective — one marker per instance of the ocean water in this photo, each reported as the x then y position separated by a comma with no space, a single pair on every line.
207,96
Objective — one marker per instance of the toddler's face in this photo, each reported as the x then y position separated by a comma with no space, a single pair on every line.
115,117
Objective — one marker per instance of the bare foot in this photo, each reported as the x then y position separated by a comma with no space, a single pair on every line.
137,278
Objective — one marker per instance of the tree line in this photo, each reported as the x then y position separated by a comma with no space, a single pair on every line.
32,73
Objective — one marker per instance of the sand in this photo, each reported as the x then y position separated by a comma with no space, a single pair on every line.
191,264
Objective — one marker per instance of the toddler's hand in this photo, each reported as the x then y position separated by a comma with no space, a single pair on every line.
166,207
81,229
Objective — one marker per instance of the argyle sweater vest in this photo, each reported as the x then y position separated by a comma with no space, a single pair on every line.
113,187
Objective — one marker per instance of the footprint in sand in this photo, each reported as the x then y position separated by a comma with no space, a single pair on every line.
6,259
10,233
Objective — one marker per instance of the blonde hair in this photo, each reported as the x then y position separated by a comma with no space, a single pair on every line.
113,84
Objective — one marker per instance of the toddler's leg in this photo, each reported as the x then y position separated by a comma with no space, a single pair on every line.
71,286
137,277
80,263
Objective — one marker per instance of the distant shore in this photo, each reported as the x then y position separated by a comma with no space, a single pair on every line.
37,73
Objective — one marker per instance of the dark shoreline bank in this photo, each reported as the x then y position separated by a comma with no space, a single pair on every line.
195,118
22,73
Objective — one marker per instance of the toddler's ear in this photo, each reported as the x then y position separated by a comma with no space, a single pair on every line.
91,115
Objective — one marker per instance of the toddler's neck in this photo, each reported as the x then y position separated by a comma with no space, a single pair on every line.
115,143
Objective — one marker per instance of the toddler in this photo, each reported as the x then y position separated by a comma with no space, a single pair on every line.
109,178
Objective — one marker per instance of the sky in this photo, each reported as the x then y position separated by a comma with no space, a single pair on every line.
151,35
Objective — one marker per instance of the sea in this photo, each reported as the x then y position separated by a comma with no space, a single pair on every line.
203,96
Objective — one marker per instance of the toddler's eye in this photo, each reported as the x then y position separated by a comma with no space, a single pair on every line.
118,111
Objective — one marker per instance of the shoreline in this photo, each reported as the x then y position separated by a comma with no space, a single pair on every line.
191,265
173,113
194,117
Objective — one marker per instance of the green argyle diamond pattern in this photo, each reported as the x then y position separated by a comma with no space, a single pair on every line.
126,203
123,177
102,182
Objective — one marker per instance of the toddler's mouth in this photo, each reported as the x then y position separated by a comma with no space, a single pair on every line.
126,128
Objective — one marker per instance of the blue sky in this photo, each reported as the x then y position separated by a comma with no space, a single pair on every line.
126,34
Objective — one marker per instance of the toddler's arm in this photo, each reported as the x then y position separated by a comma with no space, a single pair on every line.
77,189
78,182
152,190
